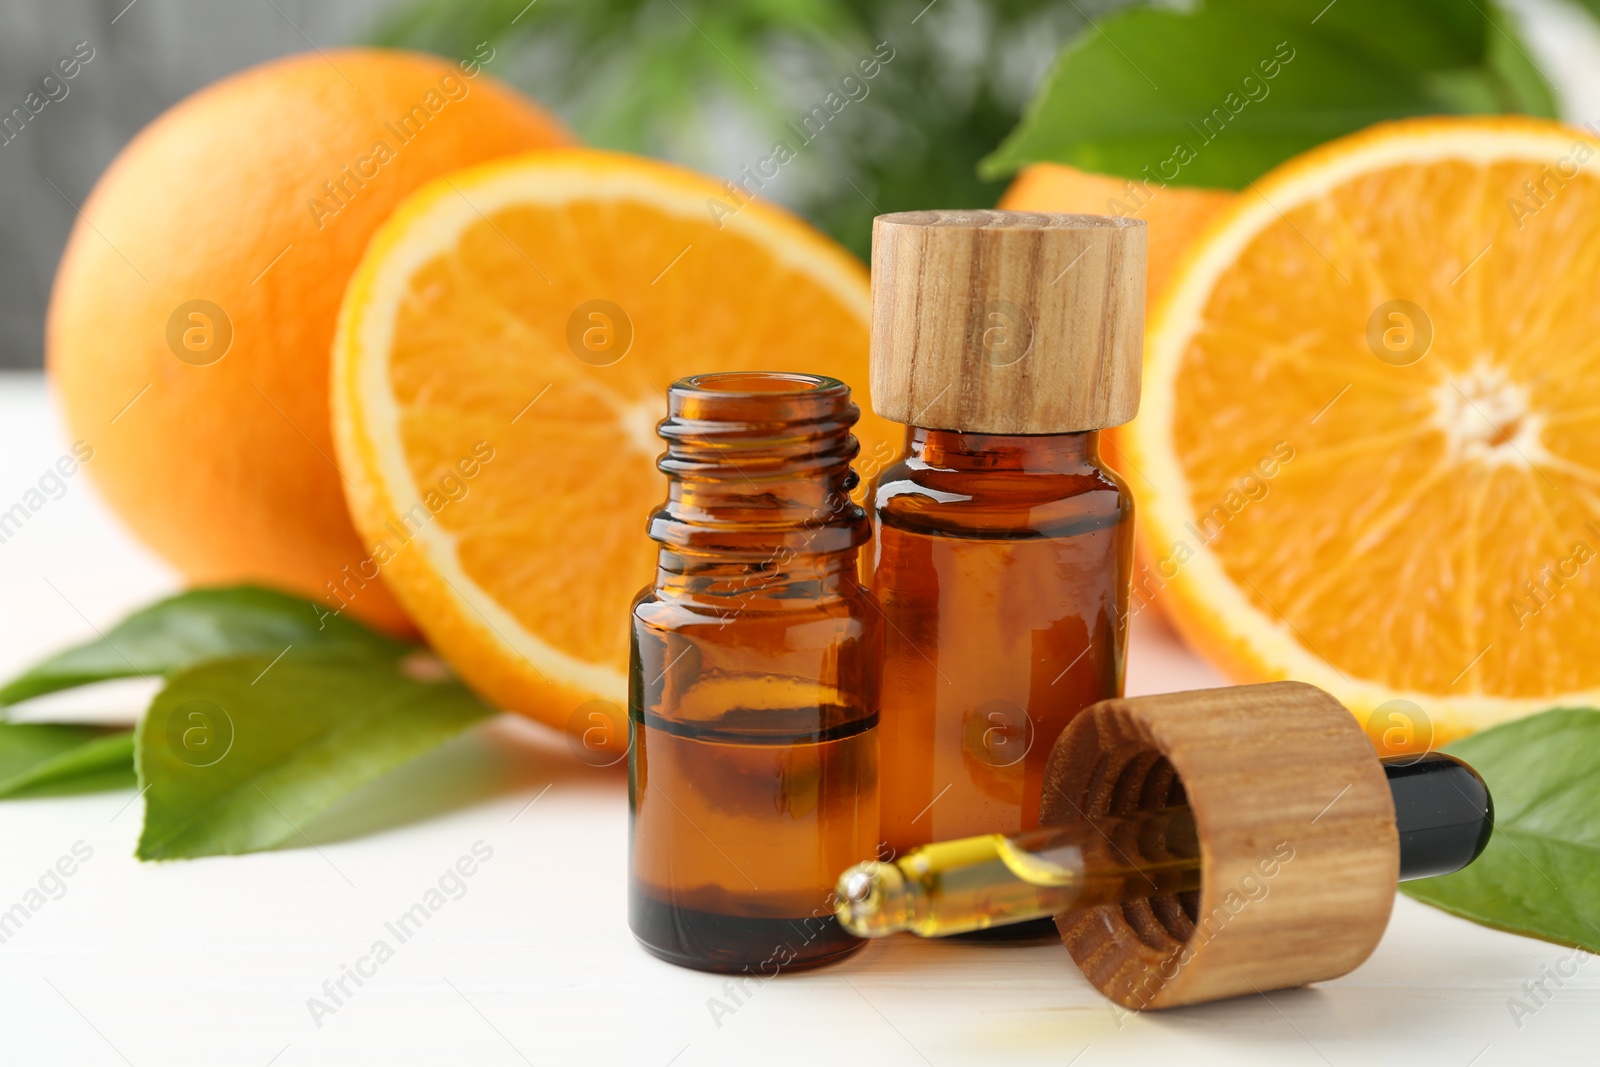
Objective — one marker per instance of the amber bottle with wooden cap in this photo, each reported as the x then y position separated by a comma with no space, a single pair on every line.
753,687
1003,544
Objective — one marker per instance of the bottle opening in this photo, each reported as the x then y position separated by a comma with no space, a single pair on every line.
752,382
755,409
761,457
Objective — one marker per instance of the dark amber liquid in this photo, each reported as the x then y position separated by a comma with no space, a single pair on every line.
1001,565
740,830
754,768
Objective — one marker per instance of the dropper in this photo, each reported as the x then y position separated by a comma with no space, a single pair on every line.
1443,814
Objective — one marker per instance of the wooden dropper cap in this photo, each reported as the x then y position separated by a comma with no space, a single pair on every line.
1296,826
1005,322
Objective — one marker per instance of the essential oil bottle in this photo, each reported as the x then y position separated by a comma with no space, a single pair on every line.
754,680
1002,544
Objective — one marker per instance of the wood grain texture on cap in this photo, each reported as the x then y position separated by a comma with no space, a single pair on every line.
1298,847
1007,322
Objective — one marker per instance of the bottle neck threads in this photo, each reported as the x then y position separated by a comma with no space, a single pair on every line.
758,475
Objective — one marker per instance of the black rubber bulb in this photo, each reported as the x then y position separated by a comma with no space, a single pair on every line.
1443,811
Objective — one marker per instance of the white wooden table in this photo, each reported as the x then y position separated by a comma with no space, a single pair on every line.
213,961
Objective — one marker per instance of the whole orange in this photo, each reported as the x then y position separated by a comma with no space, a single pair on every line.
192,317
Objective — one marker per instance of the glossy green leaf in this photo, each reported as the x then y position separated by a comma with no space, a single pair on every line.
236,755
1217,95
43,759
192,628
1540,874
1507,57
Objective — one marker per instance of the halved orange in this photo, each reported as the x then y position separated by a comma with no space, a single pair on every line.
1367,454
501,363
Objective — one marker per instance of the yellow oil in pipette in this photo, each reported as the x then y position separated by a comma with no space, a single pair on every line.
954,887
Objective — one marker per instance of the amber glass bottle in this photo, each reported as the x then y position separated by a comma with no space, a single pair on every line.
1002,565
754,680
1003,544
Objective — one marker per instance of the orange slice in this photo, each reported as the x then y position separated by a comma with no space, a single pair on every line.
1367,454
501,363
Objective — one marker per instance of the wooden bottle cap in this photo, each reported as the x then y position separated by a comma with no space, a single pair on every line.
1005,322
1296,826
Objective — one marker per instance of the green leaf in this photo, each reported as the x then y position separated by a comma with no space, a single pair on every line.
193,627
1523,86
1540,874
44,759
236,755
714,85
1218,95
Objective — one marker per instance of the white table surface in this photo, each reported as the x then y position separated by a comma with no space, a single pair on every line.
213,961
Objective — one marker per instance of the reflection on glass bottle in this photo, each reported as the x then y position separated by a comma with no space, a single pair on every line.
1002,566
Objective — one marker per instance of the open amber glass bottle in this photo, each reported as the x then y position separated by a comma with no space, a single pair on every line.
1003,544
754,680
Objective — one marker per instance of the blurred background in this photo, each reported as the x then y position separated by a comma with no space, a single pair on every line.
708,83
703,83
